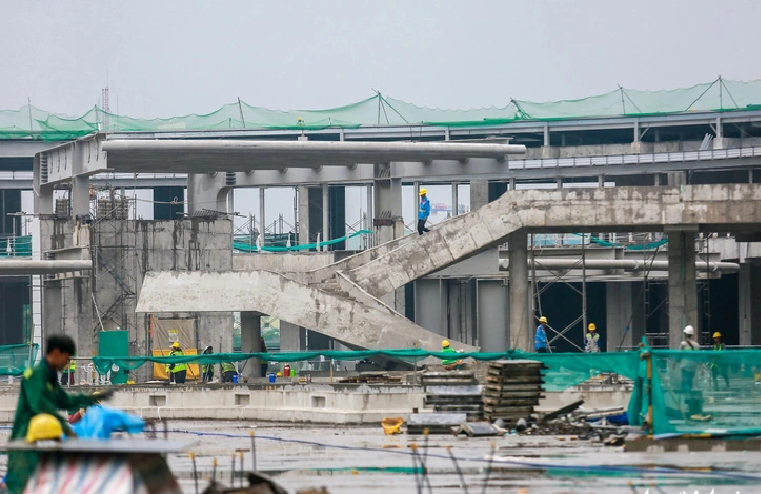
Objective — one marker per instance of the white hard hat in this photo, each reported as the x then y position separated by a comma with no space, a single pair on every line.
689,330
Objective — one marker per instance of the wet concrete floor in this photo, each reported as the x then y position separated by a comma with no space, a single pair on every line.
362,459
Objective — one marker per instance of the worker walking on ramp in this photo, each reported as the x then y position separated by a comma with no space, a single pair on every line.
424,211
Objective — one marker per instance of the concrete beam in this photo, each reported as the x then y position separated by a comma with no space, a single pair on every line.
348,321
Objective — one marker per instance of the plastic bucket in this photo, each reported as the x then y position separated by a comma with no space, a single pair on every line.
235,378
272,378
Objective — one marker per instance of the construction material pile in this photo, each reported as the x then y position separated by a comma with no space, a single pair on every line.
513,388
454,392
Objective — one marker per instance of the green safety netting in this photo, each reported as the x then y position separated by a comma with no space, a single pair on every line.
719,95
16,246
245,243
14,359
641,247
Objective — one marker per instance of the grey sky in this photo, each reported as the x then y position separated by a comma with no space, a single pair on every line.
171,58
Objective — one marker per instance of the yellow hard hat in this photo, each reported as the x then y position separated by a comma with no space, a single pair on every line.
176,344
543,319
43,426
423,192
445,343
717,335
592,326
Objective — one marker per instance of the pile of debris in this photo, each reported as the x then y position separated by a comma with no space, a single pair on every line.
513,388
372,378
454,392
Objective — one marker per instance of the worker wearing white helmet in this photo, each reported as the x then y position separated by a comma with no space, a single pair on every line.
688,366
424,211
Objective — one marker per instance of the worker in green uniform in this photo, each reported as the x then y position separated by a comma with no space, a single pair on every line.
207,370
176,372
718,369
42,393
228,372
449,364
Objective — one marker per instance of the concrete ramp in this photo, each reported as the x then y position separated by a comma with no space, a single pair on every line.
328,310
391,265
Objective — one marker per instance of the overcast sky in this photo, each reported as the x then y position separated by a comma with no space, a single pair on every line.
162,59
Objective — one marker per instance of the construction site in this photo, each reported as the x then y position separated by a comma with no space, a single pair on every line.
366,352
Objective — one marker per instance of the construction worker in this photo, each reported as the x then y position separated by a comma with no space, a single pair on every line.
67,376
228,372
207,370
592,339
424,211
264,363
449,364
540,338
718,369
688,366
176,372
42,393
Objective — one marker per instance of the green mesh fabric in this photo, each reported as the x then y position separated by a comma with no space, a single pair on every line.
719,95
19,246
706,392
244,243
14,359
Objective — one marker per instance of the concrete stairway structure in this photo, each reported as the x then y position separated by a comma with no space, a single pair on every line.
341,300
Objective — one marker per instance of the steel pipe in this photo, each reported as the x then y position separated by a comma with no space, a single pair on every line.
17,267
625,264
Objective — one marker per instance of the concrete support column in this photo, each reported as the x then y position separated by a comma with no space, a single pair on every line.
493,315
520,300
369,212
547,150
682,287
431,305
80,196
206,191
293,338
250,342
43,195
750,303
675,179
388,220
625,315
303,209
262,221
455,199
479,194
325,212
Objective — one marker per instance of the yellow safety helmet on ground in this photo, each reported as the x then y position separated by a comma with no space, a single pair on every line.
591,326
423,192
44,426
176,344
445,343
717,335
542,319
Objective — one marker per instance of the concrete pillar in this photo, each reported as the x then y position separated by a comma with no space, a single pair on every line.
455,199
388,221
625,315
430,303
479,194
293,338
325,212
250,342
369,213
493,315
206,191
750,302
262,220
638,319
682,287
80,196
675,179
43,195
520,316
303,209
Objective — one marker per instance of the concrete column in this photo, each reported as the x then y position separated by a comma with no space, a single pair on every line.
430,302
520,328
493,315
206,191
388,220
250,342
369,209
639,319
325,212
682,287
303,209
262,221
43,195
619,308
80,196
675,179
479,194
750,302
455,199
292,337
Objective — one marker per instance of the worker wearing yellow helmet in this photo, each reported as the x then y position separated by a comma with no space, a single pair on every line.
176,372
718,368
424,211
592,339
449,364
540,337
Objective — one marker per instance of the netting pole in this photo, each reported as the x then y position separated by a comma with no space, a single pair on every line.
583,288
623,103
29,107
240,109
721,93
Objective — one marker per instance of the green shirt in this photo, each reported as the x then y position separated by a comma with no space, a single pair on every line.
448,350
40,392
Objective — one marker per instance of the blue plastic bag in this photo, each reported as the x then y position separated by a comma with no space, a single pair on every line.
100,422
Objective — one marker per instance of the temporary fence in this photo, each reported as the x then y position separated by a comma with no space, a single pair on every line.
719,95
14,359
